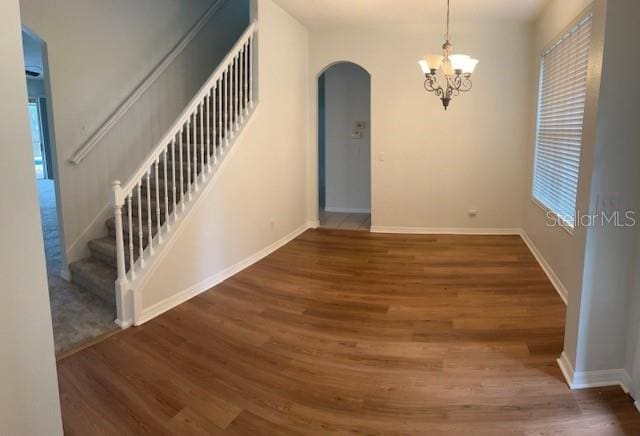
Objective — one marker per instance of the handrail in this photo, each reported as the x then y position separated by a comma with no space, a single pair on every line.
188,111
84,150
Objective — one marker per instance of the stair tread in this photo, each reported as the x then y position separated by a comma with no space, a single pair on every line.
96,277
96,268
106,244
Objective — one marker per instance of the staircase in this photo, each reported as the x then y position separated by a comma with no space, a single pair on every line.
158,196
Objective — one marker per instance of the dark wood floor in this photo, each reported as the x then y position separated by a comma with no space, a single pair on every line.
350,332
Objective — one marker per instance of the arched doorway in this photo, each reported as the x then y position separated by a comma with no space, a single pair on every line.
344,147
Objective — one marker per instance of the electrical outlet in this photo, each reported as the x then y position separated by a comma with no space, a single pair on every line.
381,157
608,202
473,213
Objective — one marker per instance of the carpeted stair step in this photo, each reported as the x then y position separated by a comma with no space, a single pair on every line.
111,227
104,250
96,277
136,211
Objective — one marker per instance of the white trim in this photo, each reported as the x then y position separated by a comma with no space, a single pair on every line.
593,379
123,324
553,277
110,122
65,273
205,285
637,404
445,231
313,224
566,368
346,210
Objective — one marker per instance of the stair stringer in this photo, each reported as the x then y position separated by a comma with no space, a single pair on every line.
130,299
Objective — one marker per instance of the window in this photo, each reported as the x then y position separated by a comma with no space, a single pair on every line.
561,100
36,138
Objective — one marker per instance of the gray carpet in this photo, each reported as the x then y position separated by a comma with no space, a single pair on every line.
78,316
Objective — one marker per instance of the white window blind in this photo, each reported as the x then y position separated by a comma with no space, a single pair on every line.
561,101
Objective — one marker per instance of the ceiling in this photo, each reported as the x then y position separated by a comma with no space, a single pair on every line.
339,13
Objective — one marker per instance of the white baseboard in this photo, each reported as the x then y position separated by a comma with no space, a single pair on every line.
593,379
313,224
555,280
445,231
566,368
203,286
123,324
65,273
346,210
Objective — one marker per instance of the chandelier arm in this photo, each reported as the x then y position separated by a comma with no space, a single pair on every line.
465,84
428,85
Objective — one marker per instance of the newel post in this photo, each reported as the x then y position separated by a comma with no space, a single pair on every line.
122,284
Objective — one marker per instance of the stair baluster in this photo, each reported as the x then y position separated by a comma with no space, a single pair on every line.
149,209
195,150
200,113
226,107
181,166
131,255
206,126
173,178
166,194
214,127
188,136
251,71
207,114
236,77
140,238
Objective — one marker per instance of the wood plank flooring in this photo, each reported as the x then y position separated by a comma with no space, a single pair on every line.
350,333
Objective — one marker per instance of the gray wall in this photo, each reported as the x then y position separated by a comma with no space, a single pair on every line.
347,159
98,53
29,404
322,142
35,88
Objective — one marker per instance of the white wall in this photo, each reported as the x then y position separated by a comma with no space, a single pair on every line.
348,159
438,165
564,252
98,53
29,404
258,198
610,251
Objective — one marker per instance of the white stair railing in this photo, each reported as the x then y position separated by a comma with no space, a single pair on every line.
154,198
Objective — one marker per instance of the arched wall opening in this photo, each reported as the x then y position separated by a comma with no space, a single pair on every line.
344,147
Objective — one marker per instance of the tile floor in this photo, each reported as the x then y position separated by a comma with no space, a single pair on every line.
78,316
345,221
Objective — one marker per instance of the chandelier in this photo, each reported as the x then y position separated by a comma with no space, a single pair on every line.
447,75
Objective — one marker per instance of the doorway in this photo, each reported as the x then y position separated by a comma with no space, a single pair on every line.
344,147
78,316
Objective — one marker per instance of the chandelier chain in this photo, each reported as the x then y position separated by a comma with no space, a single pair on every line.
448,17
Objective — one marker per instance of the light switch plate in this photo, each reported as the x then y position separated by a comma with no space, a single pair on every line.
608,202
